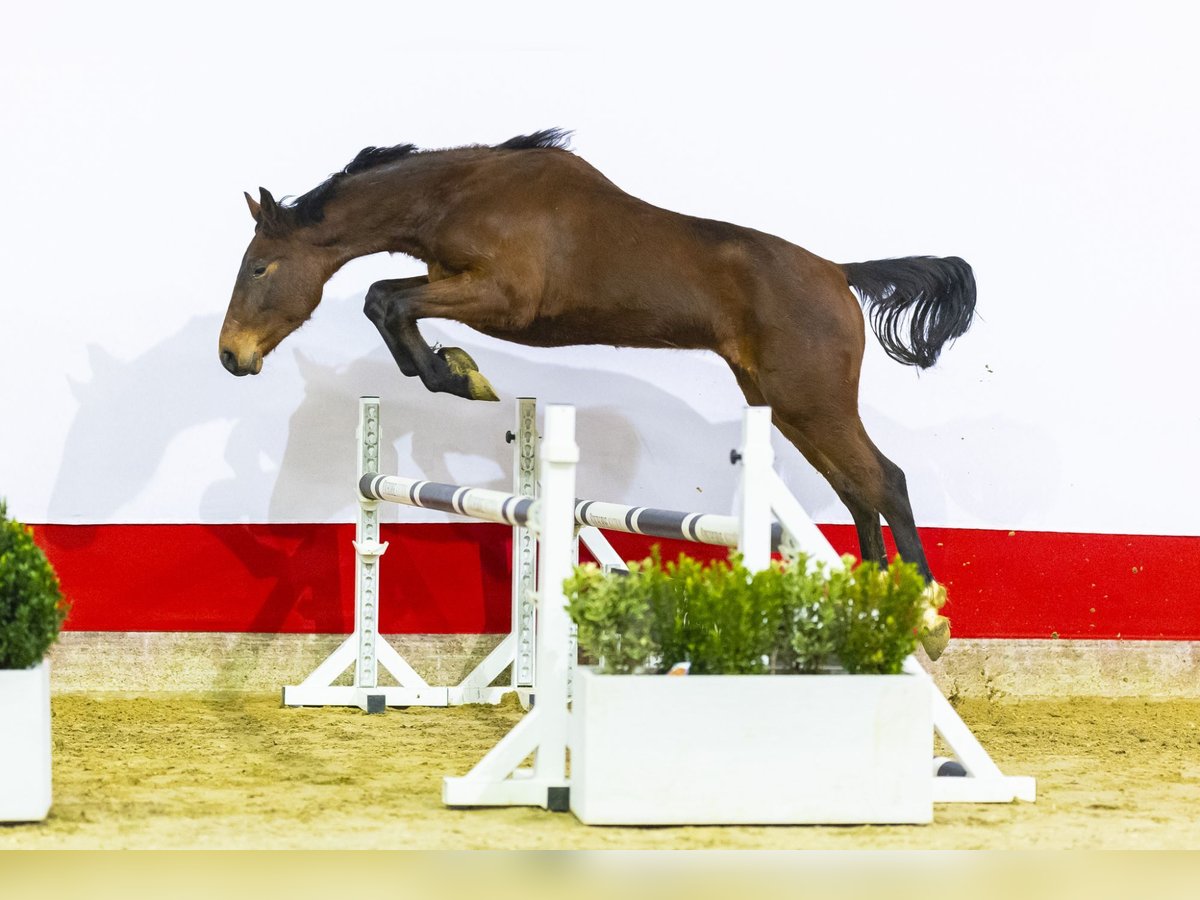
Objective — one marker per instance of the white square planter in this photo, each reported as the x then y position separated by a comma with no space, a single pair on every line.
25,743
751,749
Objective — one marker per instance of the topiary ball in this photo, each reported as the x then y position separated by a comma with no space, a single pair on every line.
31,603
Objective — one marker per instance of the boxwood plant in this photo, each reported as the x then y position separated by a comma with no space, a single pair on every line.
31,603
723,619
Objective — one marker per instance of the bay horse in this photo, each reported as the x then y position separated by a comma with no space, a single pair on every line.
527,242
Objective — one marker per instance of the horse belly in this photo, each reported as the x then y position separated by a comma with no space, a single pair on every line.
615,327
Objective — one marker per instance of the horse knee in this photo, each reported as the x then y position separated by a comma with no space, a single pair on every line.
386,300
375,304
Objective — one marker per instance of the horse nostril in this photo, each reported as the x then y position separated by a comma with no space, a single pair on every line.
229,361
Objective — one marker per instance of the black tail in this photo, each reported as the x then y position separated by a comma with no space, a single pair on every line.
930,298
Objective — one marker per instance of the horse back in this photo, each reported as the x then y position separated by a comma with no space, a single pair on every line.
583,261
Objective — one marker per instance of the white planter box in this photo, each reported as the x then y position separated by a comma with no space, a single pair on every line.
751,749
25,743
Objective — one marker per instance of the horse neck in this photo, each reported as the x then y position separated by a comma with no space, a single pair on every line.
380,211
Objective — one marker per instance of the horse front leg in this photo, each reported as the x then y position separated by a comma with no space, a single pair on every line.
376,309
394,307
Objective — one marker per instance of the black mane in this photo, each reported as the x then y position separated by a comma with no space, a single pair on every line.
370,157
546,139
309,209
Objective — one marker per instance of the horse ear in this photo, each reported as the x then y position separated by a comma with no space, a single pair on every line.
255,208
268,202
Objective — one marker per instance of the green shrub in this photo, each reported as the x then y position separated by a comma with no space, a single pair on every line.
878,612
720,618
31,604
810,633
612,615
724,619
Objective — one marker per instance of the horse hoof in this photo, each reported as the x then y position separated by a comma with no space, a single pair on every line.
935,637
479,387
458,360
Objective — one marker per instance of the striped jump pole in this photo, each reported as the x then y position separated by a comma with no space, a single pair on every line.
509,509
699,528
475,503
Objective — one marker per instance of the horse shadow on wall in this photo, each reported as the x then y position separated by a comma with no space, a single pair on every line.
633,436
288,442
289,432
289,446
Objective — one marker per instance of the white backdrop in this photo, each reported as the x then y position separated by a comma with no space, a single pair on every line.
1054,146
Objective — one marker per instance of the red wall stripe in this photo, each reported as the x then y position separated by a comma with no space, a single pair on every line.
454,578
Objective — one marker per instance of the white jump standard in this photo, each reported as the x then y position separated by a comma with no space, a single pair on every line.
368,651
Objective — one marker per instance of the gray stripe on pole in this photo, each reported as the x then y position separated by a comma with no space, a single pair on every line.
520,511
433,495
663,523
366,486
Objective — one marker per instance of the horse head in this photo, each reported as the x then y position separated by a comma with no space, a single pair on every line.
278,286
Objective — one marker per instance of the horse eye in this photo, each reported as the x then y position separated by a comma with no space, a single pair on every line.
260,271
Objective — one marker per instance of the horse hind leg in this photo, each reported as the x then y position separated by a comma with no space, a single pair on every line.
866,517
834,440
935,633
884,486
864,475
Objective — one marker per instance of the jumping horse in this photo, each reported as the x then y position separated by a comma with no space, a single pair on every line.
527,242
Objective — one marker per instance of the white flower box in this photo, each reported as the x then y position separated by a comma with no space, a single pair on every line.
25,743
751,749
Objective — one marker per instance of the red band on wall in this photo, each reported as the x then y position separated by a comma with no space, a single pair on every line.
454,579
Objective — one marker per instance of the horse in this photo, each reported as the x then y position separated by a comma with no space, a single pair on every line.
527,242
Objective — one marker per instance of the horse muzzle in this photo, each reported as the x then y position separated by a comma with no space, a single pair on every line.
236,365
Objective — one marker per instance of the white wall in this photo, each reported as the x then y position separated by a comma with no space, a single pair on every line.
1054,146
